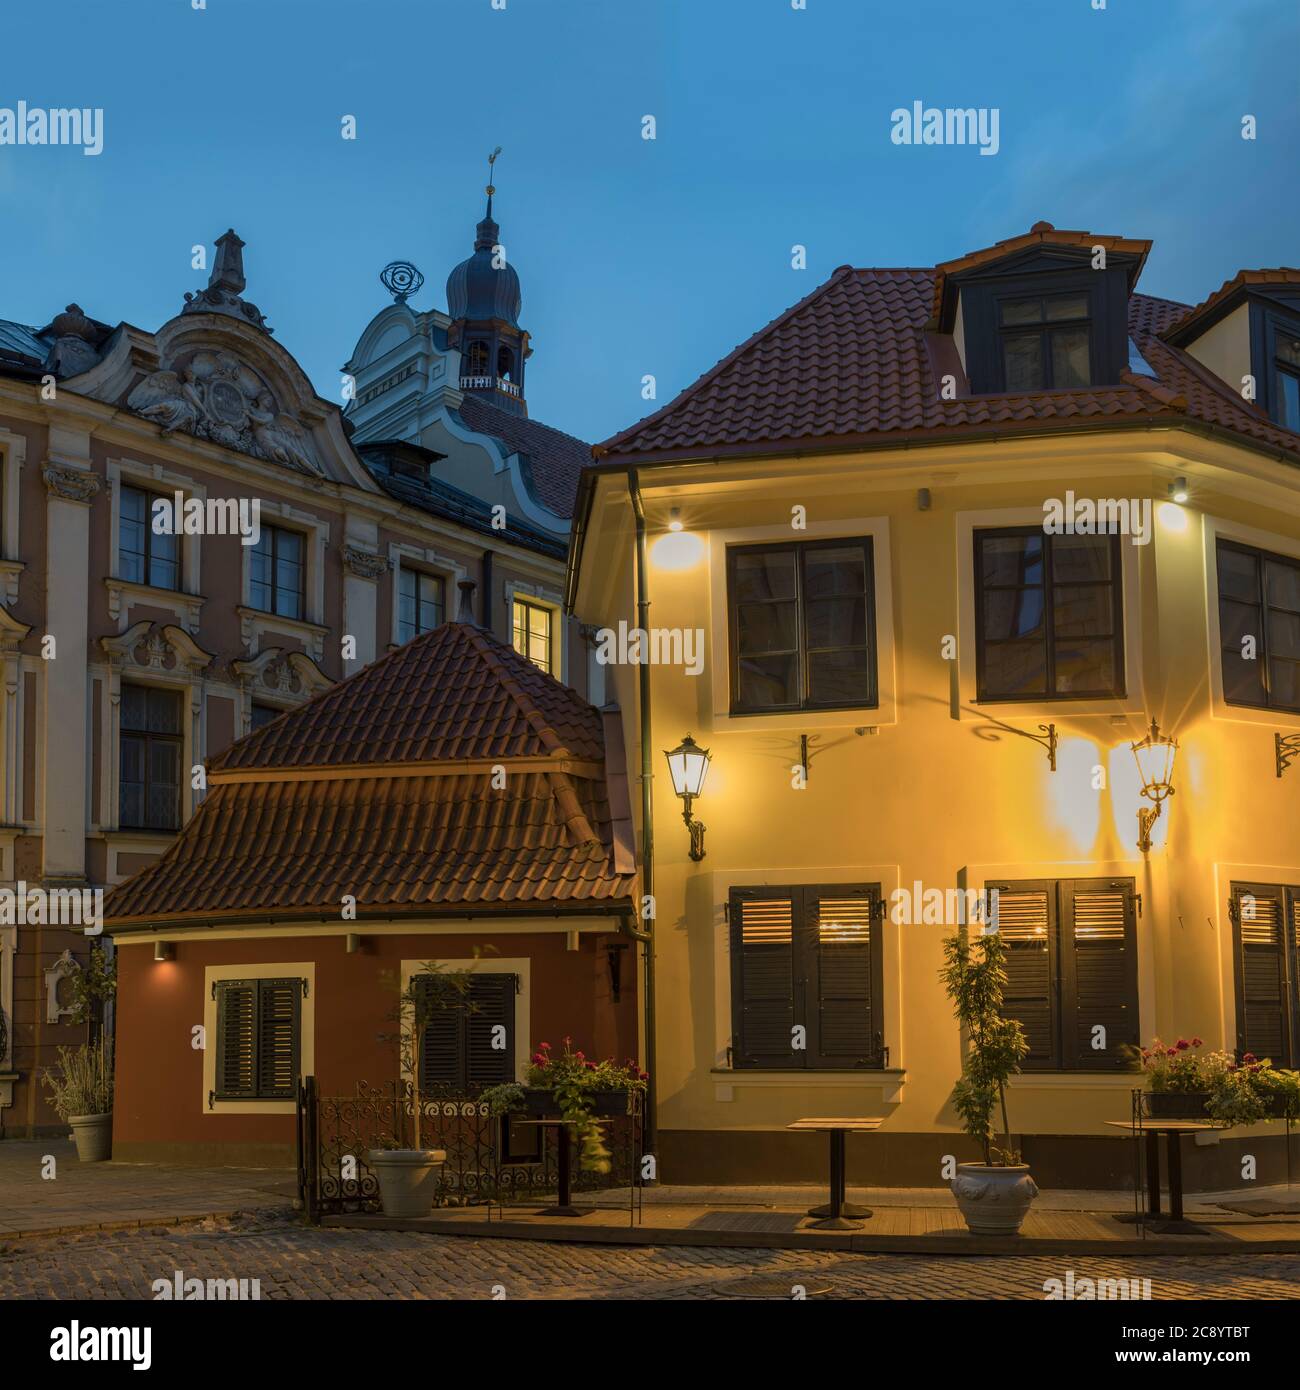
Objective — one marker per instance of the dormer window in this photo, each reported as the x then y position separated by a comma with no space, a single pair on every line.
1046,342
1286,361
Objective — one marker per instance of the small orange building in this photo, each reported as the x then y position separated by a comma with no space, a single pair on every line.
449,803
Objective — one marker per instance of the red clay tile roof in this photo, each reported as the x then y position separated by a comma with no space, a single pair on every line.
553,460
295,819
1282,275
452,693
408,845
851,364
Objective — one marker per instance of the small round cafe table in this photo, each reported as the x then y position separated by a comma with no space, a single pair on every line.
837,1214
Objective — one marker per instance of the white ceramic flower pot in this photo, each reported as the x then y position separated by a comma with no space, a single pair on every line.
993,1200
408,1179
94,1136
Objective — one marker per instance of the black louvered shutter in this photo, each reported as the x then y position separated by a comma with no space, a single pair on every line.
763,978
492,1001
1098,964
1026,918
1265,997
839,944
236,1071
278,1022
457,1049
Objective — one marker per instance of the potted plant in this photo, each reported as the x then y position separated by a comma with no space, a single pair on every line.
993,1196
567,1086
408,1174
80,1088
1180,1080
1278,1088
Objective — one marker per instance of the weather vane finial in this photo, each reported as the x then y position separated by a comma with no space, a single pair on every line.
492,159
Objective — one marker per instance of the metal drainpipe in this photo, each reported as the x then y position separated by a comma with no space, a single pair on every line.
647,817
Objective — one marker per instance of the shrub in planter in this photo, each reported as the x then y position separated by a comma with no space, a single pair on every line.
995,1195
580,1092
80,1088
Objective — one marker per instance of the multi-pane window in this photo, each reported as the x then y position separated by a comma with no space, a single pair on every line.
806,977
276,578
469,1040
421,603
802,626
1046,342
1286,349
1048,615
533,633
1259,627
1266,943
1071,970
143,556
150,771
262,714
259,1025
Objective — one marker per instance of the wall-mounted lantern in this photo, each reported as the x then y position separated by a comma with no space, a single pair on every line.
688,764
1155,760
164,950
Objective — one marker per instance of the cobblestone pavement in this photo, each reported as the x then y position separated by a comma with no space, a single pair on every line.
293,1261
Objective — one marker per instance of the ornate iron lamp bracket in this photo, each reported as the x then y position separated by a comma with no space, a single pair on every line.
1286,749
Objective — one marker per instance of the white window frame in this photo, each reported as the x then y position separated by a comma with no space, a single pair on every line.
541,597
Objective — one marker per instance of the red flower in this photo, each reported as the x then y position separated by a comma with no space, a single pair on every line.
1196,1042
645,1076
591,1066
1183,1044
544,1047
1249,1057
1172,1052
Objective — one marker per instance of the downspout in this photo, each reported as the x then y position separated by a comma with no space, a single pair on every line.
647,817
487,590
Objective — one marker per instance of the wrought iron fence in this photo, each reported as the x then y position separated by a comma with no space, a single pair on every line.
490,1159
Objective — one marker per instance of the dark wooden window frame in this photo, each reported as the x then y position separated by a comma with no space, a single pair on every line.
273,534
1288,964
260,990
801,548
1044,328
419,576
1266,323
805,979
149,541
148,738
1262,655
1063,985
983,695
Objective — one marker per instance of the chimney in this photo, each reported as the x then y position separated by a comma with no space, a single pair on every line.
465,614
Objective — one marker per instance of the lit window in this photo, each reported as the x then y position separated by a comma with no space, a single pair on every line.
276,577
532,630
421,603
143,556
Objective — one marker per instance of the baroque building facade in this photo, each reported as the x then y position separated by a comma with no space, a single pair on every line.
131,655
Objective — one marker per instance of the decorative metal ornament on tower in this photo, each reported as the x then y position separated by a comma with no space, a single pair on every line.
401,279
483,302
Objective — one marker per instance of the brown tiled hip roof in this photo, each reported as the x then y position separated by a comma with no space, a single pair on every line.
455,693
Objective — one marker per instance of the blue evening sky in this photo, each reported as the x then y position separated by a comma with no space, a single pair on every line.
635,257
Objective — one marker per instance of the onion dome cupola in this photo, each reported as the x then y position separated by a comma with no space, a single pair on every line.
483,302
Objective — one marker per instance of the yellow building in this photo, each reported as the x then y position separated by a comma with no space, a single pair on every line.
949,540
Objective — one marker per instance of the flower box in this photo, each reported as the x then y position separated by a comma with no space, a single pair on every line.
1175,1105
540,1103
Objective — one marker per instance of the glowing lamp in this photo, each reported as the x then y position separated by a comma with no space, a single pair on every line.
688,765
1155,759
